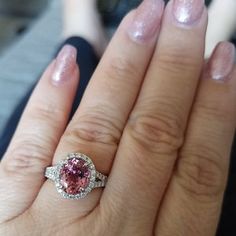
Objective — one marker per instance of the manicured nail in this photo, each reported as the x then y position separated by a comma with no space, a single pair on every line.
188,11
65,64
222,61
147,20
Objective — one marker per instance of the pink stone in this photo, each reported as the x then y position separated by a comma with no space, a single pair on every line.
75,176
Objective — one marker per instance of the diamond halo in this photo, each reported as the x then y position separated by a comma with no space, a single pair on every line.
76,176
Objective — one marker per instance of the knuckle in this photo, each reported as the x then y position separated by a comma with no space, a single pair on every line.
176,62
159,133
47,111
120,68
201,172
220,112
29,155
94,127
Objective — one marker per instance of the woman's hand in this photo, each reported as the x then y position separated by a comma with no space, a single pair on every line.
153,118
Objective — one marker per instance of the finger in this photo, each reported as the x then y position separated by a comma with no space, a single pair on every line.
154,132
33,145
98,124
197,187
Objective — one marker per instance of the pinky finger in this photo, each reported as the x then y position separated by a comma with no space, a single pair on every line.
194,198
42,124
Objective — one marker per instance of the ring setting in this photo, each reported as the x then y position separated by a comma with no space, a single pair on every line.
76,176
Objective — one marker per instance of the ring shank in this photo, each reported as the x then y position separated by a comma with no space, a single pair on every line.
50,173
101,180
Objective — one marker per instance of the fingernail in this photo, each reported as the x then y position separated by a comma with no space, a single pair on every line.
147,20
222,61
65,64
188,11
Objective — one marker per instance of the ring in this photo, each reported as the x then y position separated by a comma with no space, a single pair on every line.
76,176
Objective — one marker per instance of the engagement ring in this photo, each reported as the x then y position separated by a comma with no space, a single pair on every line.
76,176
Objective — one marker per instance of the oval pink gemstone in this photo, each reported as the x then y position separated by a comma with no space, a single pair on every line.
75,176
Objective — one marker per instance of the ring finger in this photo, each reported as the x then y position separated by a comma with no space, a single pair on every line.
98,124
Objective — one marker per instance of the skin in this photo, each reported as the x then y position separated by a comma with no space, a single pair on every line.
162,135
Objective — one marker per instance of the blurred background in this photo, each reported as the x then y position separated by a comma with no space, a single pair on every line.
30,32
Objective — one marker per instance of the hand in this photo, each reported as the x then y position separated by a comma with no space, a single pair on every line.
153,118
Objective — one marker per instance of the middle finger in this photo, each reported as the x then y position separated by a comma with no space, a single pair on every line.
155,130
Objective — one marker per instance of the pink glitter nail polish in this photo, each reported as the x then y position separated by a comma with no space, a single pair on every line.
188,11
65,64
222,61
147,20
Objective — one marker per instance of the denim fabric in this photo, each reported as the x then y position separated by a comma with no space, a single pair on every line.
87,61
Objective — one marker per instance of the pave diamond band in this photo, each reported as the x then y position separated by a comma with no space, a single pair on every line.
75,176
